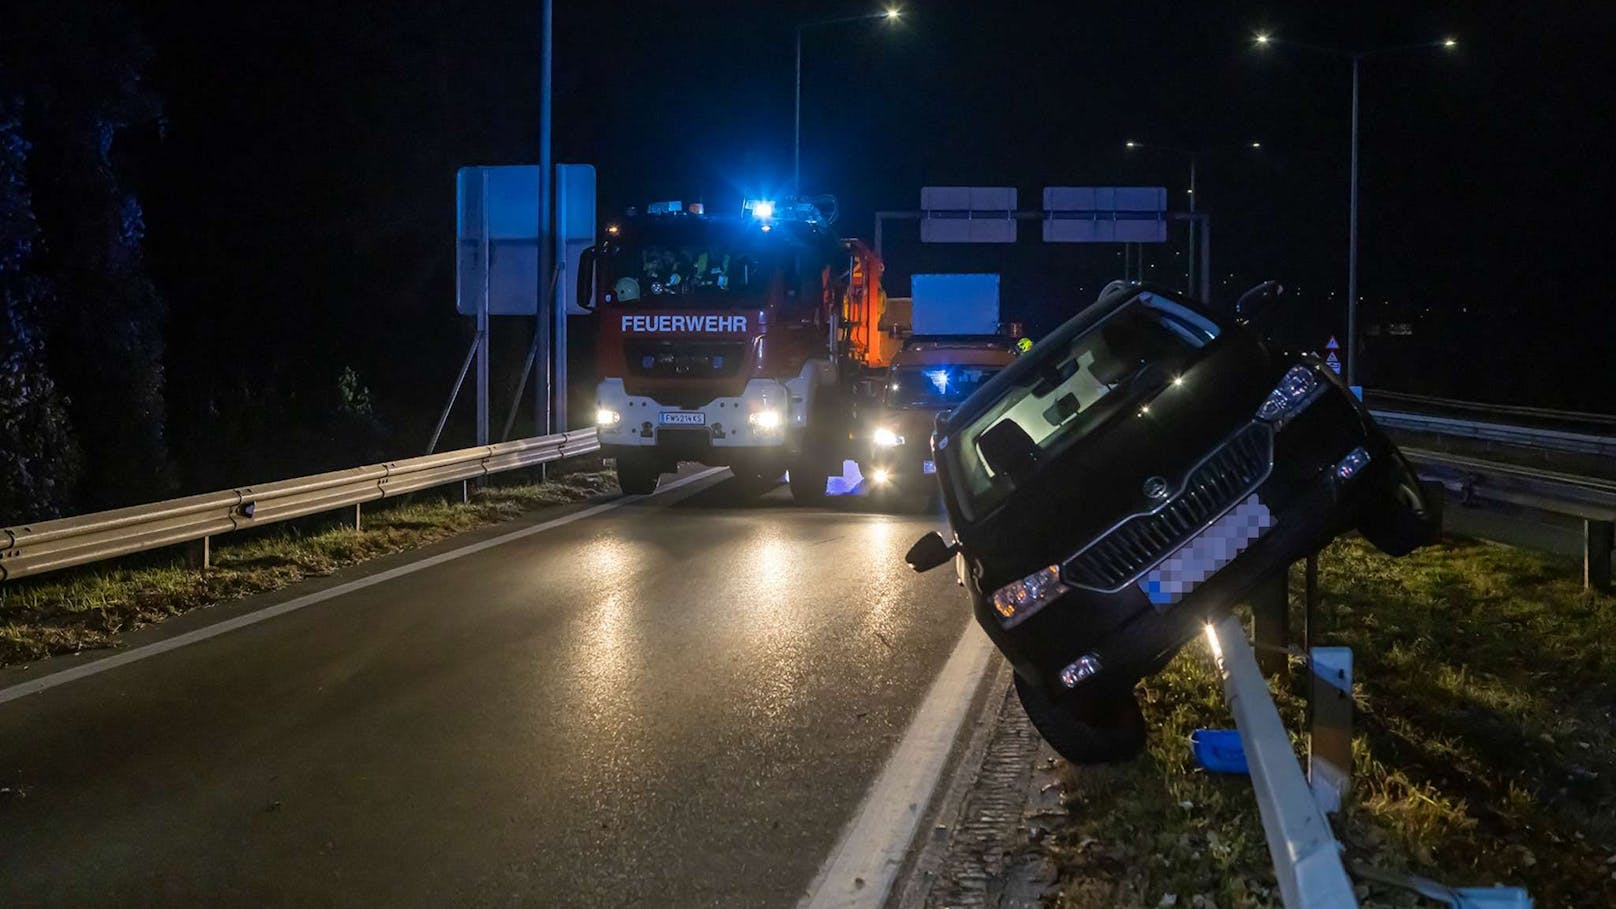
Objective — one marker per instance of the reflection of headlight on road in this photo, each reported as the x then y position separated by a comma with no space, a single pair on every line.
765,419
886,438
607,417
1015,601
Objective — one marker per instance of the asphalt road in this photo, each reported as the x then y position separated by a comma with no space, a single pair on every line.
679,702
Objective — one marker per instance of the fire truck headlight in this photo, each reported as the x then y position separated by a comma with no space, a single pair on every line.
607,417
765,419
886,438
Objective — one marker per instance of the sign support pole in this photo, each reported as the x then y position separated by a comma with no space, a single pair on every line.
482,321
541,320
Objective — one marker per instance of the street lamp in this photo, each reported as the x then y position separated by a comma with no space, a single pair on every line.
1193,155
1264,40
890,14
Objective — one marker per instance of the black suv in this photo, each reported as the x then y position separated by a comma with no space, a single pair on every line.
1137,471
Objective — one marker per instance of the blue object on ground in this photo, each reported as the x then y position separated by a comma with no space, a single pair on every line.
1219,750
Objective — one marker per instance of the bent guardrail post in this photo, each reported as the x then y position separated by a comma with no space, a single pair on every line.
1307,859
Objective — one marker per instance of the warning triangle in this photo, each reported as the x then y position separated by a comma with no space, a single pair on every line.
1332,345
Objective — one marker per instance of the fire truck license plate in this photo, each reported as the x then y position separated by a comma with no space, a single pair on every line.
672,418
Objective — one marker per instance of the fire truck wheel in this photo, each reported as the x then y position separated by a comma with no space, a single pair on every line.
808,484
637,476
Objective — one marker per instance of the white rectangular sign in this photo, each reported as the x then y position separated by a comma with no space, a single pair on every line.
968,214
1105,214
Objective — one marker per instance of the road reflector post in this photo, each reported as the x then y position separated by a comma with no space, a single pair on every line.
1329,758
1271,621
1598,538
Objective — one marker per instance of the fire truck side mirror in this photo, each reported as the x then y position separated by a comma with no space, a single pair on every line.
585,291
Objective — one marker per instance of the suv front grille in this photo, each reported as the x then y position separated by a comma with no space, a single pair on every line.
1230,473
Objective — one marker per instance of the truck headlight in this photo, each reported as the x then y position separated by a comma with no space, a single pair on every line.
607,417
765,419
886,438
1299,388
1015,601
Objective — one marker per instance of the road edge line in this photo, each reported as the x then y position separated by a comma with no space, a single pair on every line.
146,651
863,866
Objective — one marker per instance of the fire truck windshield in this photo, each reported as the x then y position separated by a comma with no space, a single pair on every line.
715,261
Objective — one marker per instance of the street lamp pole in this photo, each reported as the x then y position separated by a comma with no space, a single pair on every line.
796,127
1189,260
1352,239
1265,40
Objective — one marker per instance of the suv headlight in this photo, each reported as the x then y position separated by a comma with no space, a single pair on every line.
1299,388
886,438
1016,601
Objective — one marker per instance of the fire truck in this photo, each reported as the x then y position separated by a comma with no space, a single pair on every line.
732,340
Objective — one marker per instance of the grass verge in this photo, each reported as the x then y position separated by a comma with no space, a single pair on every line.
88,607
1485,745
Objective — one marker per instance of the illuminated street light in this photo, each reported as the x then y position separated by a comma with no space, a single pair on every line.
1264,40
890,14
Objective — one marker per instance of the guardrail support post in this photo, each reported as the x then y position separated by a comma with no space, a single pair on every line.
200,554
1329,754
1271,620
359,516
465,492
1598,538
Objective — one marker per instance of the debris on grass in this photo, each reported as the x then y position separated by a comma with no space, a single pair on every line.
1484,746
88,607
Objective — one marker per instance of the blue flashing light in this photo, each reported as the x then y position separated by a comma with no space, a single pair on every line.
762,209
939,378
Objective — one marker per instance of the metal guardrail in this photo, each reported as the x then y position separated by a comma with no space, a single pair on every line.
1589,498
1543,414
1506,433
1307,858
32,549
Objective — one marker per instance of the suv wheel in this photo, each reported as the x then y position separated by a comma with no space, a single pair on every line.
637,476
1404,517
1110,728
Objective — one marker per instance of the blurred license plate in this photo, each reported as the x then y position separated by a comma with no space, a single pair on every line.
674,418
928,467
1207,553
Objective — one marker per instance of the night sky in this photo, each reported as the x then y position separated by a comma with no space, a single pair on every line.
301,196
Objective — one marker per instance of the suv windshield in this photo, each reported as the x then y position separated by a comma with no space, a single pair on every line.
935,385
1068,384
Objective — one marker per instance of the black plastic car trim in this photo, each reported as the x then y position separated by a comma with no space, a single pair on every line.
1181,529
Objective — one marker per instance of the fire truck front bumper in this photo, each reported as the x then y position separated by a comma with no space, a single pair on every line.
763,416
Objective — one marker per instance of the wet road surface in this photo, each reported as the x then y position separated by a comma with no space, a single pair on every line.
679,702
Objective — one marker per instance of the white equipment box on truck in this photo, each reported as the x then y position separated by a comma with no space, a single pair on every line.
966,304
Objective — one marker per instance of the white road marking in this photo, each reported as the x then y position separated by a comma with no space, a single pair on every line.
135,655
863,865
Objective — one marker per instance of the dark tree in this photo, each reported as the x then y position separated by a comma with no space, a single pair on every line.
37,453
78,66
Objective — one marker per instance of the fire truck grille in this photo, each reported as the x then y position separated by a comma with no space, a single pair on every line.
684,360
1229,474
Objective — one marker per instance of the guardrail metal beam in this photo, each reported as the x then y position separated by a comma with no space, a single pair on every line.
1307,858
43,546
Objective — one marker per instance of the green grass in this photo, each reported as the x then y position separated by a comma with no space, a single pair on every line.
87,608
1485,745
